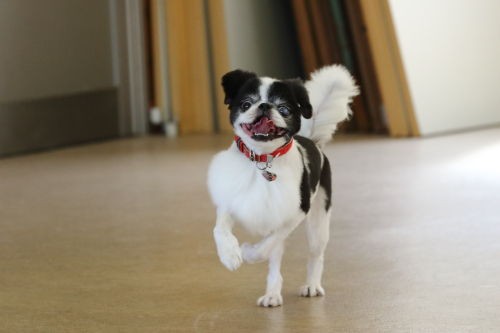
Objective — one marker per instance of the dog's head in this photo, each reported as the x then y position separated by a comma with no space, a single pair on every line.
265,112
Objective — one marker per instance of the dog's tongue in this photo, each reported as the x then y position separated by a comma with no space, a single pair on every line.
264,125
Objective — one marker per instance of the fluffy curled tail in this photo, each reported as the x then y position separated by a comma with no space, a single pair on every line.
331,90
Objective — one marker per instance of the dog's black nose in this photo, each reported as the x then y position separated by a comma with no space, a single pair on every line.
265,107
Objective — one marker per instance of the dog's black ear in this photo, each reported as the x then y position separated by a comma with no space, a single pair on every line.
233,81
302,97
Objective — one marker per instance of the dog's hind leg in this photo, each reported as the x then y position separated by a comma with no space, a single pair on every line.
274,280
318,230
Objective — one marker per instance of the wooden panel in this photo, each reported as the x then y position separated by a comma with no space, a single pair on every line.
405,91
389,67
332,33
310,58
370,91
189,77
360,121
220,60
318,33
158,97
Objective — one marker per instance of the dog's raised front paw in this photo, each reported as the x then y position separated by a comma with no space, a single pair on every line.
312,290
270,300
231,258
230,253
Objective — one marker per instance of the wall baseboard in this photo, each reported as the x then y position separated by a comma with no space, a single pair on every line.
56,121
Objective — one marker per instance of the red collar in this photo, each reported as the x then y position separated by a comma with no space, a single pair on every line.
266,158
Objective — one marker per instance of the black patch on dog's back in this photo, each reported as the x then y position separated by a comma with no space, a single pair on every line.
313,156
325,181
311,174
305,192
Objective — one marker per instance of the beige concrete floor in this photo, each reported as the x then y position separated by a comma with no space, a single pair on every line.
116,237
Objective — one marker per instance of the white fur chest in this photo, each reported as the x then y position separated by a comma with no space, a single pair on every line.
240,189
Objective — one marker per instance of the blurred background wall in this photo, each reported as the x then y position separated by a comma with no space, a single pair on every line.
54,47
68,73
260,37
74,71
450,50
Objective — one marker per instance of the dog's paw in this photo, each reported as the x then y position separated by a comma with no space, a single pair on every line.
230,254
250,254
312,290
270,300
231,259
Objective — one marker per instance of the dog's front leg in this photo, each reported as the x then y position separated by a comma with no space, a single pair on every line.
228,248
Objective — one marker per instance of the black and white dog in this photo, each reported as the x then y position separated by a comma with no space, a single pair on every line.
274,175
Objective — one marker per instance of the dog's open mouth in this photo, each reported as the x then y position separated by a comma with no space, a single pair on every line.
263,129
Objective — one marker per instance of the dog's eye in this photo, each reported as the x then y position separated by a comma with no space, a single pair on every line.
284,110
245,105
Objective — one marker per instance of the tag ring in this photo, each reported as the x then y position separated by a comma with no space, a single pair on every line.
262,165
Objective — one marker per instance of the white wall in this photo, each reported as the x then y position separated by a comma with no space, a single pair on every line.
451,55
53,48
261,37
